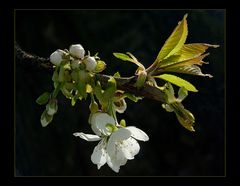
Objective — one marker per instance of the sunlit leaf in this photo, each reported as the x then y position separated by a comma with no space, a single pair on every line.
132,59
122,56
177,81
189,51
173,61
175,42
192,69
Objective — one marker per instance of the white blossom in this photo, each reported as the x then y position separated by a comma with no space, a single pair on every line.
115,147
56,57
90,63
77,51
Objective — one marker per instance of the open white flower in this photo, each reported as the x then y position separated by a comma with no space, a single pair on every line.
114,148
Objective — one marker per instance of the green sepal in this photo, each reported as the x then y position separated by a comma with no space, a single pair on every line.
43,98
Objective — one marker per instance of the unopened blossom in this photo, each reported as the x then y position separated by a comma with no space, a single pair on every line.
90,63
57,57
77,51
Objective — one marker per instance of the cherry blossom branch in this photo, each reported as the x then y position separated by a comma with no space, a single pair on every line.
123,83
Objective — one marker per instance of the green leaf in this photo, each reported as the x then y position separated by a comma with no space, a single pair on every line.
189,51
174,62
122,56
175,42
177,81
169,92
101,65
43,98
184,116
125,57
192,69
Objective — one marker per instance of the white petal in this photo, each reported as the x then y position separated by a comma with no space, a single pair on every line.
138,134
99,155
115,164
120,135
130,148
99,121
122,107
87,137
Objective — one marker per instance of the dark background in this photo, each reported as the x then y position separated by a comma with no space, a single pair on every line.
171,150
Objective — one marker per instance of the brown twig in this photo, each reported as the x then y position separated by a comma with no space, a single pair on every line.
125,84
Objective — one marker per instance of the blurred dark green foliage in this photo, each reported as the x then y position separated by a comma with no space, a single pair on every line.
171,150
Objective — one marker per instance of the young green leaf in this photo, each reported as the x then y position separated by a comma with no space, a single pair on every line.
132,59
169,93
122,56
192,69
177,81
184,116
189,51
175,42
43,98
174,61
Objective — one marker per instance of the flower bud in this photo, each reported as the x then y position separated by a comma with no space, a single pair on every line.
57,57
90,63
52,107
45,118
93,107
77,51
142,76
